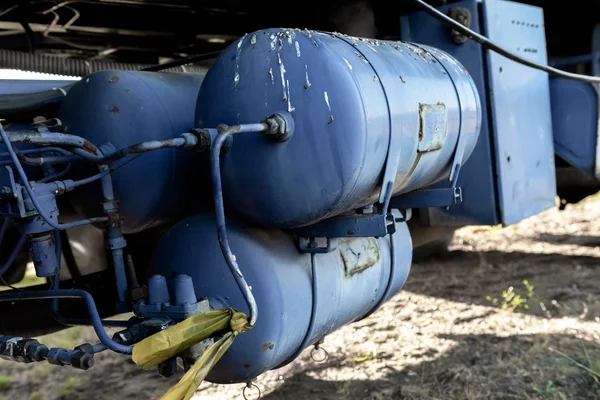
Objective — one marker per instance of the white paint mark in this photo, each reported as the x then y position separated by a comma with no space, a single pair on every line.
348,64
236,78
282,73
63,91
329,107
273,41
327,100
239,45
298,53
271,75
372,48
307,84
289,97
253,39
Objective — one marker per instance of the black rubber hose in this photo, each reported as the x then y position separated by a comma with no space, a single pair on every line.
10,59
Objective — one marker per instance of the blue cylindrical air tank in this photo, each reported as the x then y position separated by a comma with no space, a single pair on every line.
350,282
125,108
352,100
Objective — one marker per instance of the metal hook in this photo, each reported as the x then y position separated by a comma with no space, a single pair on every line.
250,385
316,349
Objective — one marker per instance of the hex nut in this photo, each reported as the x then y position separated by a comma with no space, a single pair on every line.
36,351
83,360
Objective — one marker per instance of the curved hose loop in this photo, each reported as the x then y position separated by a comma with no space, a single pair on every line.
72,294
215,171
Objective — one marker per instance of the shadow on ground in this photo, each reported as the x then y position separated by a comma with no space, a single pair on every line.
479,367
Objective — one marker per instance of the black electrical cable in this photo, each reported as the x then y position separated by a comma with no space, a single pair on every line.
488,44
182,61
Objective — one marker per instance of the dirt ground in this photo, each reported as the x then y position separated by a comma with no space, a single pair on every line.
508,313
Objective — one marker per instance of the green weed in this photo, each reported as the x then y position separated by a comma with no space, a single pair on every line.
511,301
4,382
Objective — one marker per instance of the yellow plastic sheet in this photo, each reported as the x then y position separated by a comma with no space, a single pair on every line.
165,344
185,388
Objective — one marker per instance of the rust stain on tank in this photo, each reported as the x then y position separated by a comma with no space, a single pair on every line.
114,109
358,254
113,79
267,346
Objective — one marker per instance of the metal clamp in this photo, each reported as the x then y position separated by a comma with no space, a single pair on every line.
428,198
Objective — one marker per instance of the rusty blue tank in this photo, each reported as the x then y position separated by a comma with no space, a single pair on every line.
359,105
125,108
339,287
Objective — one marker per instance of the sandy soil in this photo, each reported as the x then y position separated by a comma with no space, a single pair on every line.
466,326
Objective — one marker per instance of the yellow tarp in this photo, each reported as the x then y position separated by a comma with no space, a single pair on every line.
167,343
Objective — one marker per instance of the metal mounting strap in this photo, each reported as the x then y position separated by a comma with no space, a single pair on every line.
372,225
428,198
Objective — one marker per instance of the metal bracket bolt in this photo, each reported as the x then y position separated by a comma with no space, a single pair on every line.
280,126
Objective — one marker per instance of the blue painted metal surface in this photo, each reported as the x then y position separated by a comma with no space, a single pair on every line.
510,174
21,86
126,108
43,254
358,106
351,281
575,123
476,179
174,299
520,107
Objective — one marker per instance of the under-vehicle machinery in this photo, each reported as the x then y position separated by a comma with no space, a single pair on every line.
285,173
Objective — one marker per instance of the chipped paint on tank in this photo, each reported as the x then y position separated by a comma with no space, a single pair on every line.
361,57
358,254
307,84
271,75
371,47
348,63
239,45
253,39
273,41
329,107
298,53
236,78
282,73
289,97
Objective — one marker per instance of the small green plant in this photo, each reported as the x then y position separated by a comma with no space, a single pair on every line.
511,300
549,392
4,382
71,384
36,396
